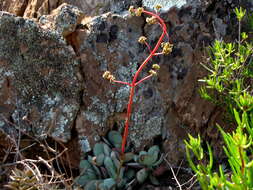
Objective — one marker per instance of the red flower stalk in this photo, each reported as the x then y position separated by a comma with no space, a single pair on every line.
166,49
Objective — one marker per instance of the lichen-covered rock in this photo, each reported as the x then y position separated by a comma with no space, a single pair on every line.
166,107
113,45
39,88
37,8
64,19
12,6
110,43
166,5
161,105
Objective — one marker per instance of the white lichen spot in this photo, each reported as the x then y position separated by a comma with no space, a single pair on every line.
93,117
62,130
122,98
97,112
166,5
85,145
8,73
52,100
2,123
143,131
50,115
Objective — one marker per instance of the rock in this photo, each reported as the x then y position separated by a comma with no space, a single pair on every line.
39,85
160,105
110,43
166,107
15,7
40,88
220,28
37,8
64,19
166,5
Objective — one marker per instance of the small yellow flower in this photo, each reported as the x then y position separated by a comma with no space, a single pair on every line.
152,72
131,10
106,74
158,7
151,20
156,67
139,11
167,48
142,39
111,78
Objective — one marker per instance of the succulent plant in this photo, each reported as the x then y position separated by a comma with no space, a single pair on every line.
108,170
22,180
26,180
149,160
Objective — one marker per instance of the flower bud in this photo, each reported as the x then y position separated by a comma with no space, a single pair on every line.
139,11
111,78
156,67
106,74
151,20
131,10
158,7
142,39
167,48
152,72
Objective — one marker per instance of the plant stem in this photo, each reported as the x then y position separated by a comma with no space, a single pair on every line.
134,81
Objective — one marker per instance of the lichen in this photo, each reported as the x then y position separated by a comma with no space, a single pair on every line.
43,75
2,123
166,5
97,112
145,130
122,95
85,145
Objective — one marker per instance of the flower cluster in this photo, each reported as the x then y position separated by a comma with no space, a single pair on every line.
154,70
136,12
107,75
162,44
142,40
151,20
167,48
158,7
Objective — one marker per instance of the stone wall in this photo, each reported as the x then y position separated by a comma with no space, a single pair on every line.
52,59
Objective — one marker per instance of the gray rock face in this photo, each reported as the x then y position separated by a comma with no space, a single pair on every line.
46,87
110,43
39,88
165,4
64,19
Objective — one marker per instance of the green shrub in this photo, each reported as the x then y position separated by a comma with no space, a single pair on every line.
229,84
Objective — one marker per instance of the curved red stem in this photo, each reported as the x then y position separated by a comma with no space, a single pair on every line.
134,81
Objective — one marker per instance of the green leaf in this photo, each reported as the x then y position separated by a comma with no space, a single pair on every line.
115,138
83,180
100,159
98,149
107,149
108,184
128,156
115,160
240,13
110,167
130,174
92,185
237,117
142,175
154,180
